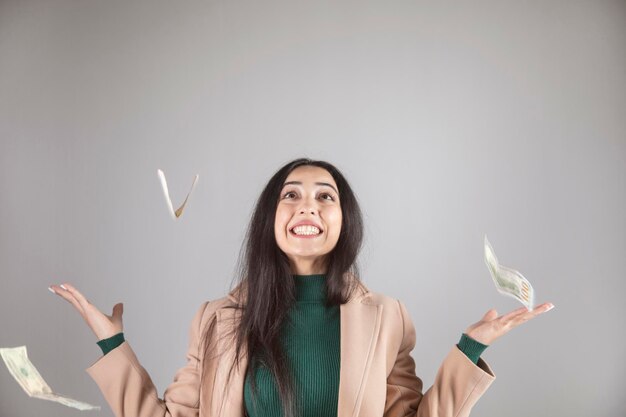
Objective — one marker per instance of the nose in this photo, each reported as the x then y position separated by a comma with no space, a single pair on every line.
308,205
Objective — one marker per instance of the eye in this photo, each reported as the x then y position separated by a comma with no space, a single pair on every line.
324,195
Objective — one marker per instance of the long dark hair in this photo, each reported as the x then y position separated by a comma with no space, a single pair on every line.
264,274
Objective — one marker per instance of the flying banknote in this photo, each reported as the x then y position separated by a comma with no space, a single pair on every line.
175,214
25,373
509,281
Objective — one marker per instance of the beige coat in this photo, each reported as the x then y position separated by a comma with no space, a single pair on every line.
377,374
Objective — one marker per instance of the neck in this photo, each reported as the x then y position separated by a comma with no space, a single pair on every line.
308,267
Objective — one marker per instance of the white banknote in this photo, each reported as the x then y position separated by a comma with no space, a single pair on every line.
175,213
509,281
25,373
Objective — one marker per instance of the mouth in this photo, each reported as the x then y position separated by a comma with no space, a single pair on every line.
305,232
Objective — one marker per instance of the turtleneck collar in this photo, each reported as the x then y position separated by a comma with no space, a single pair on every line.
310,287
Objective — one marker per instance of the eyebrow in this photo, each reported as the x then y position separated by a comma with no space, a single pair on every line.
317,183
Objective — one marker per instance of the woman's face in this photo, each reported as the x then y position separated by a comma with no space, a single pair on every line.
309,195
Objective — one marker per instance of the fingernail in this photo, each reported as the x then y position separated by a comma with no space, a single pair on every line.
51,290
551,307
63,286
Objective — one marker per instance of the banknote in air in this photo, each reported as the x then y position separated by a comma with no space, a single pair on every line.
509,281
25,373
174,213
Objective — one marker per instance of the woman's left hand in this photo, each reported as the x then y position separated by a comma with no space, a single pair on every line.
491,327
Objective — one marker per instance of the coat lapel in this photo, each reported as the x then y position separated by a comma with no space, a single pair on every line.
228,396
360,326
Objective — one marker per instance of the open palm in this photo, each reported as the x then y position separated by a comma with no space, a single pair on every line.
102,325
491,327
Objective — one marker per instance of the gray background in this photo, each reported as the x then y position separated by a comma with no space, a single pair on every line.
449,120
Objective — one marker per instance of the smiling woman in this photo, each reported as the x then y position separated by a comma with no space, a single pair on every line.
308,219
299,335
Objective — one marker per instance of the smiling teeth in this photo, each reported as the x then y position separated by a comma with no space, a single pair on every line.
306,230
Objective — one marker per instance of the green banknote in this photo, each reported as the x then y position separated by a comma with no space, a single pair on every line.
509,281
25,373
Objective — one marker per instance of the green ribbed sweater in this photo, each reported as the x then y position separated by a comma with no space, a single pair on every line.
311,339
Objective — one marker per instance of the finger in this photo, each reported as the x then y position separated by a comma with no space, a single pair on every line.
531,314
490,315
69,297
81,299
543,308
514,313
540,309
510,320
62,291
537,310
118,310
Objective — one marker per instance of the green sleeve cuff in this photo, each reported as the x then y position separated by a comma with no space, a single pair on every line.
472,348
111,343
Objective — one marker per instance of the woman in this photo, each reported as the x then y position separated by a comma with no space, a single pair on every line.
319,342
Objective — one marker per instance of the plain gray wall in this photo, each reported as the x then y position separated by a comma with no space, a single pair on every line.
450,120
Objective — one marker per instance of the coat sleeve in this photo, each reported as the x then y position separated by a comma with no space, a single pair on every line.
457,387
130,392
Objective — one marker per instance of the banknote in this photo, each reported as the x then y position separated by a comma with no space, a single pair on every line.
25,373
174,213
509,281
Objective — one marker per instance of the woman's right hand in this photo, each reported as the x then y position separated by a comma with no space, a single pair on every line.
102,325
